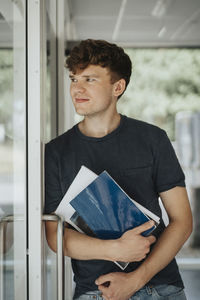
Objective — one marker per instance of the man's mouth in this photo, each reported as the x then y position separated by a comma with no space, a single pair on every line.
81,100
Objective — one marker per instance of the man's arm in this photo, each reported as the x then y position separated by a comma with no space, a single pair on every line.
132,246
122,286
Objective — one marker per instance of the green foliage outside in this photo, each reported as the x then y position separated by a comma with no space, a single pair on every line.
6,85
164,82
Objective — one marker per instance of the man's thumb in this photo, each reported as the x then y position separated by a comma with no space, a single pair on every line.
102,280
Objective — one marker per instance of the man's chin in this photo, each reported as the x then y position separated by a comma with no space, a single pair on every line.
81,114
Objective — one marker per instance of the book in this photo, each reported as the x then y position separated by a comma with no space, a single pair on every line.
96,205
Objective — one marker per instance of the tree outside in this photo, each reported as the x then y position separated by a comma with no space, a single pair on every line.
164,82
6,90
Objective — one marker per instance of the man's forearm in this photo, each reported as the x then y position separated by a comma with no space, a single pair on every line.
131,246
166,248
174,236
81,246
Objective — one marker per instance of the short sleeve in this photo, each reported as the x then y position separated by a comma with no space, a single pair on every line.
53,191
167,171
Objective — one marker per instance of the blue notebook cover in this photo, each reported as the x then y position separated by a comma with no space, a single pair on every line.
107,209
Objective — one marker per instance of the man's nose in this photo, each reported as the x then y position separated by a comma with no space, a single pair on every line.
79,87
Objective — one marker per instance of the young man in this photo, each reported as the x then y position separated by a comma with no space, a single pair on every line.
141,159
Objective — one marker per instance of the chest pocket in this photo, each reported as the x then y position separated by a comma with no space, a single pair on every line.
137,183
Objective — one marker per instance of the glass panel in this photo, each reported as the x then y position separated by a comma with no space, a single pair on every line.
12,151
50,280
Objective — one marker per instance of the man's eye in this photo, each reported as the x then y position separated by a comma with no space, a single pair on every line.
73,80
90,79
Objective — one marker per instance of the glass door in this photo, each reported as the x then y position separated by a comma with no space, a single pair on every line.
12,151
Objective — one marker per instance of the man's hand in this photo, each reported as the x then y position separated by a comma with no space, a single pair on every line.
132,246
118,286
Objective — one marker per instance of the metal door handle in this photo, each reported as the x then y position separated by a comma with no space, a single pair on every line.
59,254
4,220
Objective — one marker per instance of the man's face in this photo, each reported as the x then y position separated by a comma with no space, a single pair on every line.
92,91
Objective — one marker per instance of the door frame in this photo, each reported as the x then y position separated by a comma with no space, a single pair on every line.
36,51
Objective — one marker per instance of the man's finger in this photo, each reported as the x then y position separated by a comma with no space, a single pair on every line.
144,227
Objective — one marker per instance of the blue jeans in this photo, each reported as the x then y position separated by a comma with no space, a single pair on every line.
159,292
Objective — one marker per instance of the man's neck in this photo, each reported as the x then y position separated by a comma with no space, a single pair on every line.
101,126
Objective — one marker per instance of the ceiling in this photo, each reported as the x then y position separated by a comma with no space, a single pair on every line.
136,22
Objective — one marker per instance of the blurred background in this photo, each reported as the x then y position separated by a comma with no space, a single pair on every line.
162,38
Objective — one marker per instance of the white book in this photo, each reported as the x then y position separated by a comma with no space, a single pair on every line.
84,177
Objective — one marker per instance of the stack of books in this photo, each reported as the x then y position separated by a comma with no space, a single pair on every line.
98,206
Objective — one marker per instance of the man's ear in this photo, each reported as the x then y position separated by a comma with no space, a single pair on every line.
119,87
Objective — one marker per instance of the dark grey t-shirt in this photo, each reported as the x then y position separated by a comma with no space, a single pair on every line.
141,159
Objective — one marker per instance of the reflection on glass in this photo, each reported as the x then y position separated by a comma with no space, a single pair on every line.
6,132
50,279
12,151
51,75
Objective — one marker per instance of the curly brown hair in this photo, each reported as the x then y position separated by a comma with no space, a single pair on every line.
102,53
